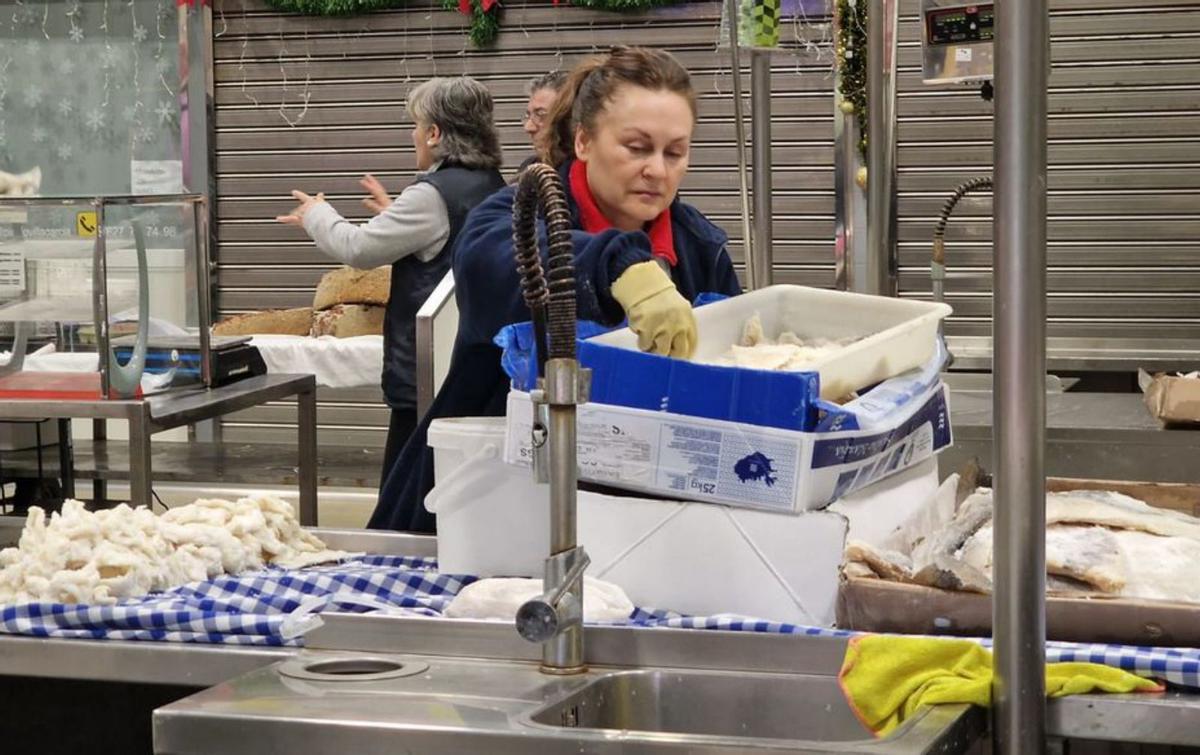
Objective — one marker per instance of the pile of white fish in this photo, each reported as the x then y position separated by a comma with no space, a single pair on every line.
100,557
788,353
1097,542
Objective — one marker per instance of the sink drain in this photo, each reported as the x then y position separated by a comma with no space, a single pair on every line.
368,669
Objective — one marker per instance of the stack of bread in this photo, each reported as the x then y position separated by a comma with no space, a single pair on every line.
348,303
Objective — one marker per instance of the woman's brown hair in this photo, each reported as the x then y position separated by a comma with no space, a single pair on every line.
592,85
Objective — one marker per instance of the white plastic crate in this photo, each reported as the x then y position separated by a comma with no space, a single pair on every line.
895,335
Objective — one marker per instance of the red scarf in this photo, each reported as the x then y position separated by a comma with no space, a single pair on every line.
662,239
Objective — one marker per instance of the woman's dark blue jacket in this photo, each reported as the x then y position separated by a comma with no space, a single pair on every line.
488,292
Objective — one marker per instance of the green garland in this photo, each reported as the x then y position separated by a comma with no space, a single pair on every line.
623,6
484,25
851,51
332,7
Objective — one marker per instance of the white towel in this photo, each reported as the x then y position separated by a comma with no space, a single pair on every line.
501,597
336,362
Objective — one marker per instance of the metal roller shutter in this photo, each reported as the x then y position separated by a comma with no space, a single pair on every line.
1124,174
356,72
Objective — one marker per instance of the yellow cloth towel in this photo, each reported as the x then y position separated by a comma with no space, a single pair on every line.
886,679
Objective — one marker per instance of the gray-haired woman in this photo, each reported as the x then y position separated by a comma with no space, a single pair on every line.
458,151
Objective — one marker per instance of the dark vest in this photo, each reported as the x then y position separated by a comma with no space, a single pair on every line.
413,280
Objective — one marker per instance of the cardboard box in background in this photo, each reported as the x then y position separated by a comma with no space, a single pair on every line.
1173,400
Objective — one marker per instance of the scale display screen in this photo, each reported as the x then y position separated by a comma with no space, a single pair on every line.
967,23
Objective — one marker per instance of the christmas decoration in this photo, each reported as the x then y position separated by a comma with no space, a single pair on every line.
485,14
165,112
95,120
851,52
485,19
83,80
33,95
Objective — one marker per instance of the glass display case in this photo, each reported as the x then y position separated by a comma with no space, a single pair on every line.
103,297
93,96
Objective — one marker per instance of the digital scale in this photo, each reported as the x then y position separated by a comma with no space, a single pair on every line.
956,41
233,358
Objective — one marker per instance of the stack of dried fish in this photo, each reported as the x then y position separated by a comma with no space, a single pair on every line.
1097,543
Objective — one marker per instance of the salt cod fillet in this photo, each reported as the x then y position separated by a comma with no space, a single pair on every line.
886,564
1118,511
1085,554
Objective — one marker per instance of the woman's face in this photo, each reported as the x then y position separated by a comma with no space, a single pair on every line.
636,154
425,138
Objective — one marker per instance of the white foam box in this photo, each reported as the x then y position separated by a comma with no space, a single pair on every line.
893,335
734,464
694,558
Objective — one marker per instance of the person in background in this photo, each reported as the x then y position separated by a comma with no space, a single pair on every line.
619,134
542,91
458,156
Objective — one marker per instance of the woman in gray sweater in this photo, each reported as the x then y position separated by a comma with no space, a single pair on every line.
458,154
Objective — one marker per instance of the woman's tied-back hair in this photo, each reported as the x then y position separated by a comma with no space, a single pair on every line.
591,86
461,108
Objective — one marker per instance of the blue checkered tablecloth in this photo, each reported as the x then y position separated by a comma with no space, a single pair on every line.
275,607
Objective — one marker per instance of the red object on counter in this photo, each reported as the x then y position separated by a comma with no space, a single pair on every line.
66,386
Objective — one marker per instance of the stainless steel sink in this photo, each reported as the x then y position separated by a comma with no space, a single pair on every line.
730,711
719,704
317,703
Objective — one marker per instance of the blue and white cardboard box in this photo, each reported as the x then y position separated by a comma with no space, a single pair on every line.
714,461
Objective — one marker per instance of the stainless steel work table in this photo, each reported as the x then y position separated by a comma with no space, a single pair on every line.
1107,436
177,408
1164,719
183,664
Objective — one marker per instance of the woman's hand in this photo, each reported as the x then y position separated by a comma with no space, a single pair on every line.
378,200
296,216
661,317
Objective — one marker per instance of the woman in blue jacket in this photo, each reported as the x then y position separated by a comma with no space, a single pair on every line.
619,134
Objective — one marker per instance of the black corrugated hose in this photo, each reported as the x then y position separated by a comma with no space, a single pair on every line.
939,231
550,296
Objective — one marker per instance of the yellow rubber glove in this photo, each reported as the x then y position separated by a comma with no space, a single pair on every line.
662,319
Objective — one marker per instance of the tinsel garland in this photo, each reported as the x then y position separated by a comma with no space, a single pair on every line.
851,51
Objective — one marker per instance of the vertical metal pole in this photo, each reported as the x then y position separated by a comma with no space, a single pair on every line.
1019,314
760,124
99,446
66,458
204,315
882,20
306,405
739,127
199,172
139,456
100,296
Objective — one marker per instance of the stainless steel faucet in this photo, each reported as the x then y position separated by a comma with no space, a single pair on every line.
555,618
